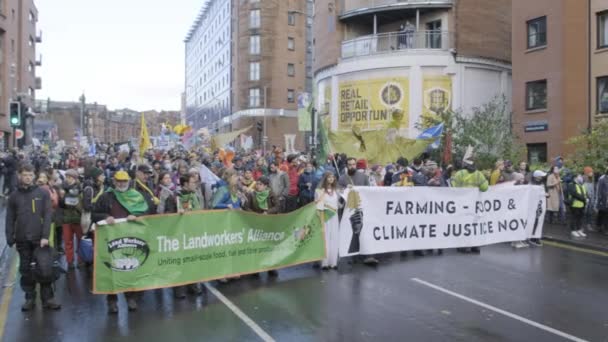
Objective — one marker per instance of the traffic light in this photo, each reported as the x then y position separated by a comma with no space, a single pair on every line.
15,113
260,126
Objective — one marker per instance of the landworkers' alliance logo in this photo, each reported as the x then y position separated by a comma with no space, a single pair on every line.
302,235
127,254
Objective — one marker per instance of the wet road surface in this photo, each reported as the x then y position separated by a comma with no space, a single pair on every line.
548,294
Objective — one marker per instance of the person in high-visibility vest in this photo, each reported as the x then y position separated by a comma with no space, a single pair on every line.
576,198
470,177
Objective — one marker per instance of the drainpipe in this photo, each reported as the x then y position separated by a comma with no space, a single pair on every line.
589,47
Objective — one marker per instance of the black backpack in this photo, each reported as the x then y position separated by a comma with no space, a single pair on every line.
46,267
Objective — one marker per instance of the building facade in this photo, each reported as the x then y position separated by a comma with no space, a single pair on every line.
208,64
257,71
560,72
18,62
378,62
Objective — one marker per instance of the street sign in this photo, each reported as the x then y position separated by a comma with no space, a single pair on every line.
19,134
536,126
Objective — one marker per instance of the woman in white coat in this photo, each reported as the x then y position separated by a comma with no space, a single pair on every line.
326,198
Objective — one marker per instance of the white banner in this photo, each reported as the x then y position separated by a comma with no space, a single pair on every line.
391,219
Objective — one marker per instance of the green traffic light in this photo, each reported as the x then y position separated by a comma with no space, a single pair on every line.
15,121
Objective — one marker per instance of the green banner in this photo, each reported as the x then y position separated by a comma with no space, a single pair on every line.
170,250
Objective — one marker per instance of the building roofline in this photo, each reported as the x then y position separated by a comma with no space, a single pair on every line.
199,19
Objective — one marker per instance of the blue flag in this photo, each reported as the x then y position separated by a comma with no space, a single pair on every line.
433,132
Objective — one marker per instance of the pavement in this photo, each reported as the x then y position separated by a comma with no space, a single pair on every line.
551,293
561,233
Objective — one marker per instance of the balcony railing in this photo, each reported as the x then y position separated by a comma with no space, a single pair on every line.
355,7
397,42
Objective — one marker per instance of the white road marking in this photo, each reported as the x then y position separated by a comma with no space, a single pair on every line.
500,311
253,325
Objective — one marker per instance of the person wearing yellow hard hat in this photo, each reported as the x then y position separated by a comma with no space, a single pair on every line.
119,202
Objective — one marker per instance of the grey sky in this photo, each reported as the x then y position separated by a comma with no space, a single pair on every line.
122,53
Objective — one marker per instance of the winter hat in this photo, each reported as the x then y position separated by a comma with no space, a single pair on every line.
96,172
539,174
361,164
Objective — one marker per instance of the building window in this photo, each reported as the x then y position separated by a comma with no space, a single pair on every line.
254,19
254,97
32,17
536,95
31,41
602,95
537,153
254,71
291,69
291,19
290,96
433,35
602,30
291,44
254,45
537,32
30,67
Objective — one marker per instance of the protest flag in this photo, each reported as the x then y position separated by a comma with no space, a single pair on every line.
144,138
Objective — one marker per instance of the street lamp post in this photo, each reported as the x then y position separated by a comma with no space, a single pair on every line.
264,136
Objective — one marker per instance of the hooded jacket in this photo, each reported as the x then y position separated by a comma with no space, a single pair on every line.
305,191
71,203
279,184
28,215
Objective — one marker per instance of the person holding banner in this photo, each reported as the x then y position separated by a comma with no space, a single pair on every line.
118,203
227,195
470,177
326,198
262,201
187,200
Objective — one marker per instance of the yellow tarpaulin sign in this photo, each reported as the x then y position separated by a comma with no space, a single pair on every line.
437,94
221,140
382,146
373,103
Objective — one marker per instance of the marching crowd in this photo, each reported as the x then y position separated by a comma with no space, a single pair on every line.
53,200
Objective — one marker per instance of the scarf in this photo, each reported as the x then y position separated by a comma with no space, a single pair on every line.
146,189
262,198
189,201
132,200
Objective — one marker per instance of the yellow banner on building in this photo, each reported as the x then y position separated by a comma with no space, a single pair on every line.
373,104
437,94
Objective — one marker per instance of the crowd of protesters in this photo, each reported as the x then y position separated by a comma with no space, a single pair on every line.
71,191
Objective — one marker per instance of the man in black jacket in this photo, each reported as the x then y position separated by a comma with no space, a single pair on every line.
142,185
28,225
118,203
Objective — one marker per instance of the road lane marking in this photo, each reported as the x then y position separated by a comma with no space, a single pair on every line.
500,311
574,248
8,295
253,325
